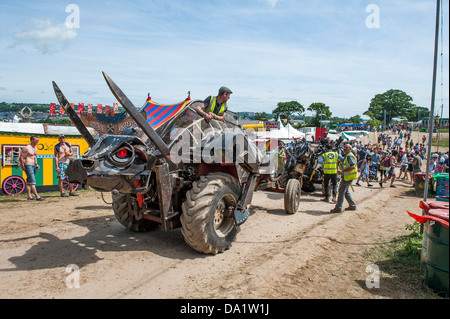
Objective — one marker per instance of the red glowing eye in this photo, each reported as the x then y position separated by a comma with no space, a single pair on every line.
122,153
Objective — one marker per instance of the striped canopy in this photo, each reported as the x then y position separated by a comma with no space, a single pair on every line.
158,114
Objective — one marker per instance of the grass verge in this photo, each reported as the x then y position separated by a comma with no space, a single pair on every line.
441,142
402,273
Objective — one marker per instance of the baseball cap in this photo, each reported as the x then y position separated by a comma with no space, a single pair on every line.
224,89
61,135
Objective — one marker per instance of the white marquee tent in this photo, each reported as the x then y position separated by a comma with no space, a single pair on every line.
284,133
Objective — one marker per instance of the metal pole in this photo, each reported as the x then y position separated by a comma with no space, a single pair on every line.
431,123
442,78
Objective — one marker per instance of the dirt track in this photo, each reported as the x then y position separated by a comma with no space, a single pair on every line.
311,254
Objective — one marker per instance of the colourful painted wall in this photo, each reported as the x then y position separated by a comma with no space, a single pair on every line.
46,175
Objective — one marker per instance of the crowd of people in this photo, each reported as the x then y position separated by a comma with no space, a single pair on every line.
388,160
394,158
396,127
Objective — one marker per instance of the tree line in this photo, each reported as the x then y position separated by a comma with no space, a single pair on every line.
383,108
16,107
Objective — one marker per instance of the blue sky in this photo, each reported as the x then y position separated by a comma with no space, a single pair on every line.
266,51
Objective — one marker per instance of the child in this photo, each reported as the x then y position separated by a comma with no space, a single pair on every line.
364,171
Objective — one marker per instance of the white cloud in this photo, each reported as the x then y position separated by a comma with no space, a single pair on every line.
272,3
46,37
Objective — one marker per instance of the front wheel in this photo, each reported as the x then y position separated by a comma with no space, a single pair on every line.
207,222
123,206
292,195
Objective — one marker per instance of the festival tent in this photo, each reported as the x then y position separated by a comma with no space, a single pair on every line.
334,137
348,137
280,123
357,133
284,133
294,133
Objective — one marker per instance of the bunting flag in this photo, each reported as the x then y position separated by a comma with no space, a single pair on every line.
52,108
155,114
80,108
158,114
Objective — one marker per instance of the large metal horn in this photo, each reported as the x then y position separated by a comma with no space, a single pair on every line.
73,116
139,119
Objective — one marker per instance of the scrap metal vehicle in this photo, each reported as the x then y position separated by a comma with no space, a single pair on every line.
302,171
185,173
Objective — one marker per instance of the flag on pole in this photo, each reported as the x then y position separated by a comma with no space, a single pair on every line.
80,108
99,108
52,108
116,107
89,109
61,110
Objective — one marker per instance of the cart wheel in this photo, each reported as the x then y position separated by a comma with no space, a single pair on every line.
292,195
65,184
13,185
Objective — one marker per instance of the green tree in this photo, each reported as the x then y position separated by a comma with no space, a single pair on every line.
356,119
322,112
396,103
417,113
261,116
54,121
374,122
337,120
286,109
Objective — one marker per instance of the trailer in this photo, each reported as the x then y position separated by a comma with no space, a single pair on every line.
14,136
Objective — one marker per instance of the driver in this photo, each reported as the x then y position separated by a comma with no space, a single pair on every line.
325,139
214,107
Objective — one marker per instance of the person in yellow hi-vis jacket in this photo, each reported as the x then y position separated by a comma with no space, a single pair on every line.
215,107
349,173
329,159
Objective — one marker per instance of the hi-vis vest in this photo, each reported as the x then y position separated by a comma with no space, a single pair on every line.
212,106
353,174
330,162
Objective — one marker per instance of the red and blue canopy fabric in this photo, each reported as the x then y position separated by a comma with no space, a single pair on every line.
158,114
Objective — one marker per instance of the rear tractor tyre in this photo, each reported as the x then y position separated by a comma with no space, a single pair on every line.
292,195
123,207
207,222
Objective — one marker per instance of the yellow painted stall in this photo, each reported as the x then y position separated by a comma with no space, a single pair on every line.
14,136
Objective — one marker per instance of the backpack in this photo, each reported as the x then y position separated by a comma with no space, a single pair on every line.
387,161
58,146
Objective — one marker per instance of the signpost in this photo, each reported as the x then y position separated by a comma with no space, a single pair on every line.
272,125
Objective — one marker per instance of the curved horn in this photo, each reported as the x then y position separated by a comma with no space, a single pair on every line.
139,119
73,116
